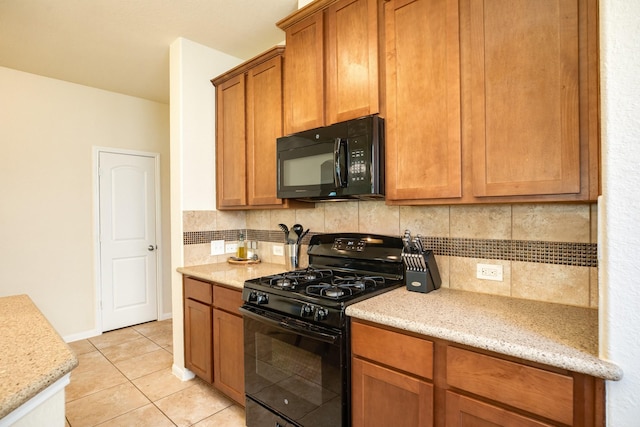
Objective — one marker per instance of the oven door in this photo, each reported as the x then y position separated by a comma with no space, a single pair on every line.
294,370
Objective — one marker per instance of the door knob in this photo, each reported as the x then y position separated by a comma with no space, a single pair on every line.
152,248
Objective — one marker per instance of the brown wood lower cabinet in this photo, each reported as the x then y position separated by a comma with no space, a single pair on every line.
401,378
213,336
383,397
228,344
534,390
197,339
390,378
464,411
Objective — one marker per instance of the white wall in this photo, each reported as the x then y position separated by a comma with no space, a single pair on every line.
620,208
48,129
196,125
192,66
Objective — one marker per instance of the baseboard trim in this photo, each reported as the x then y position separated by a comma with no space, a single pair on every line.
182,373
82,335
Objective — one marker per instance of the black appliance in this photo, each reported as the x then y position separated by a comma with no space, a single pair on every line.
341,161
296,334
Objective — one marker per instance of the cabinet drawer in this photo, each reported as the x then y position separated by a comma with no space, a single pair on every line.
404,352
227,299
461,408
197,290
534,390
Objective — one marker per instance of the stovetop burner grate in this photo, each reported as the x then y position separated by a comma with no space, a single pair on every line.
293,280
344,286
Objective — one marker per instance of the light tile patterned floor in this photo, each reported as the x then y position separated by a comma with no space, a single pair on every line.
124,379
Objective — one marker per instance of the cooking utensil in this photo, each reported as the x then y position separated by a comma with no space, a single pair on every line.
297,229
285,229
302,236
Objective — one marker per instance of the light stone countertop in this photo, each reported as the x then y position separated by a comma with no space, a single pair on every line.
32,354
232,275
552,334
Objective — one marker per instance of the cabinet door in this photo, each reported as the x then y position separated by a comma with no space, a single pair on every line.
522,66
384,397
304,80
230,143
352,60
198,339
228,357
264,125
423,159
463,411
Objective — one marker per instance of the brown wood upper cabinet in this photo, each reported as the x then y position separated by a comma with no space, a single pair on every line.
491,101
423,142
331,68
248,121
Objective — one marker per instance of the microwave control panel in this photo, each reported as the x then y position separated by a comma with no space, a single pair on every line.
359,159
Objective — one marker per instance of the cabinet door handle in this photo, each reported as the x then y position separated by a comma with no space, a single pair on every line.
152,248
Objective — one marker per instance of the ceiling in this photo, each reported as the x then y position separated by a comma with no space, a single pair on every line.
123,45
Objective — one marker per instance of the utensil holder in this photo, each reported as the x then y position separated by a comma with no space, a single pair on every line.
421,272
292,255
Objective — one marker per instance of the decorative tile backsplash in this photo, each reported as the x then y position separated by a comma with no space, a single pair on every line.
548,251
564,253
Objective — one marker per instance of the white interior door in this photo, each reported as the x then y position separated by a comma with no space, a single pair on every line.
128,251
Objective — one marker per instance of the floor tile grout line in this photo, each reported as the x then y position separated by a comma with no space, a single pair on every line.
152,402
130,381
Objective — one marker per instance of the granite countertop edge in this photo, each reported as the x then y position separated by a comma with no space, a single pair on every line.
34,355
495,323
556,335
232,275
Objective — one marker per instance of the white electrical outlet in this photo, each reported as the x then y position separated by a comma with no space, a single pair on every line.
217,247
489,272
278,250
231,248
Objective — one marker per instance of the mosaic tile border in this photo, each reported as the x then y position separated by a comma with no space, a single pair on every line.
561,253
200,237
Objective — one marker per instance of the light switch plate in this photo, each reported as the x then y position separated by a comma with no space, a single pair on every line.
278,250
231,248
217,247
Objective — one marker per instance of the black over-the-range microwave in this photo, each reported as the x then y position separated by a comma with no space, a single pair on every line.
337,162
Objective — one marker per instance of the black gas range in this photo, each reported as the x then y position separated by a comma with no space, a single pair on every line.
296,331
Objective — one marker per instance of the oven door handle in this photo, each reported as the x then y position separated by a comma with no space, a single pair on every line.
282,324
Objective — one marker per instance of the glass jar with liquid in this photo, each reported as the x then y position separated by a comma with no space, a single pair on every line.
242,247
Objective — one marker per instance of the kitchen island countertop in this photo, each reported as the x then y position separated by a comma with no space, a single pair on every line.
33,356
552,334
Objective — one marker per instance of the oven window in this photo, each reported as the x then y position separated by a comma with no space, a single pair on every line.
293,375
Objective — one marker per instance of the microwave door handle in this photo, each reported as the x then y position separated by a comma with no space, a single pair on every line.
340,171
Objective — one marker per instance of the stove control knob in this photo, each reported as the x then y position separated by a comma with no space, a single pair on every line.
262,298
253,296
306,310
320,314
